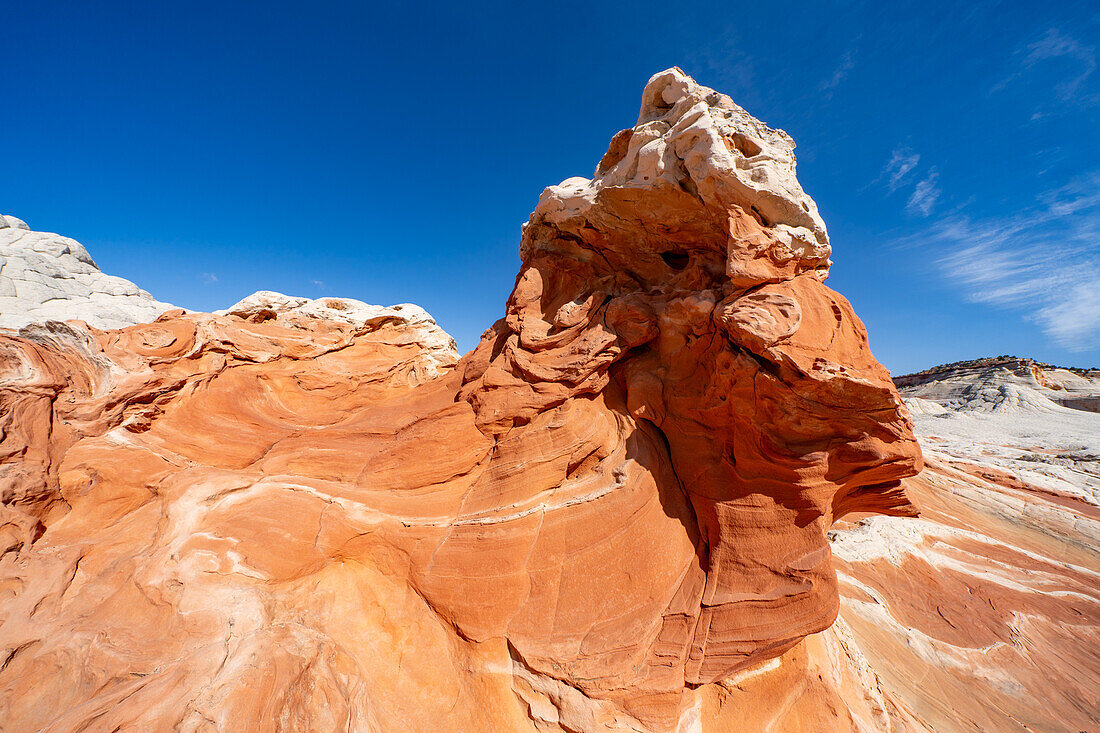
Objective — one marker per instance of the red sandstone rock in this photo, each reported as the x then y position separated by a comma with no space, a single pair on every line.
611,515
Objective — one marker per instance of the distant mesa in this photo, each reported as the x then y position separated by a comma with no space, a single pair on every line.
1004,383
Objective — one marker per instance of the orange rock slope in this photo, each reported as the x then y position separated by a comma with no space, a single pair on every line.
984,614
611,515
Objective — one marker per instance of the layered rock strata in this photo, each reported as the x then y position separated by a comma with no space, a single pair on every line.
991,600
611,515
420,329
1004,384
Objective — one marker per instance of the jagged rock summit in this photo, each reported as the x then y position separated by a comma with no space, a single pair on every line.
709,176
611,515
45,276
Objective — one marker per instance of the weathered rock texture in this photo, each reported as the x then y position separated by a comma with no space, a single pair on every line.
46,276
1004,384
682,289
612,515
420,329
984,614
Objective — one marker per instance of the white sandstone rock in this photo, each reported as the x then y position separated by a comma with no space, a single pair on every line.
422,328
1038,422
1004,384
45,276
692,138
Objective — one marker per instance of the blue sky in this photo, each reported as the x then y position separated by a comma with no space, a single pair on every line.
386,153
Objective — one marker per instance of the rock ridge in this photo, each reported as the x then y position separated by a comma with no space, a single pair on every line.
1004,383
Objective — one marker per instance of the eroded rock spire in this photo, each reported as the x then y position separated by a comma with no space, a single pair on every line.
682,287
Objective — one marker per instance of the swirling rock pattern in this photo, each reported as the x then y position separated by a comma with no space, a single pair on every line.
611,515
991,600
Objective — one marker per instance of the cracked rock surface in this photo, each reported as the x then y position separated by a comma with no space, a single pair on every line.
45,276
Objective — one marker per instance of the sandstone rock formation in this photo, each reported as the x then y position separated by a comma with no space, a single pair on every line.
1004,384
46,276
683,287
612,515
991,600
420,330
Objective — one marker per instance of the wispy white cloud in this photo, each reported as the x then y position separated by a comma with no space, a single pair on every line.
1056,45
924,196
847,63
1075,320
208,278
1043,261
901,164
317,283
